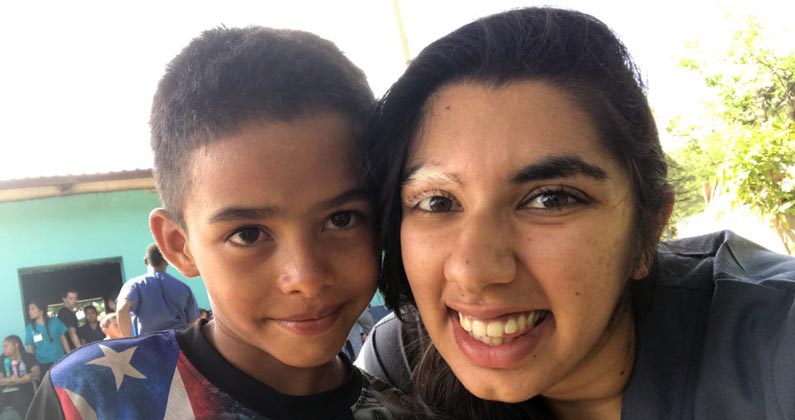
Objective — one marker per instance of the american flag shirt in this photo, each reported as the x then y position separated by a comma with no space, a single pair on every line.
179,375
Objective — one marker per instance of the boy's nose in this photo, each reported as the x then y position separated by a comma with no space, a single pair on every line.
304,271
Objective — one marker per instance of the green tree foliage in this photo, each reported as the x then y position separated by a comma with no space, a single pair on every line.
750,146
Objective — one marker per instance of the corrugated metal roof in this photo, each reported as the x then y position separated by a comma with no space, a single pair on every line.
61,186
48,181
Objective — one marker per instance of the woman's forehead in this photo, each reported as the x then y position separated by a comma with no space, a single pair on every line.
516,124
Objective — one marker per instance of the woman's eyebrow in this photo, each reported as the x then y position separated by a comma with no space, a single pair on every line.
558,167
428,173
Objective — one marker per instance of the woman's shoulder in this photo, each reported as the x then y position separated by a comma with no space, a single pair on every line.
55,323
379,399
699,262
387,352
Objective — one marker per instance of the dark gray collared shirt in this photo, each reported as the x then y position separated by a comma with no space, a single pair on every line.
715,324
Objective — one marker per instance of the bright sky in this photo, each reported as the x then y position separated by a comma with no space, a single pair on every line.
77,77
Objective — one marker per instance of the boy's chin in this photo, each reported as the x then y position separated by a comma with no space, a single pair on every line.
304,358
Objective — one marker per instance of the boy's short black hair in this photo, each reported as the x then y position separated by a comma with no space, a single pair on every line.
230,76
90,308
153,255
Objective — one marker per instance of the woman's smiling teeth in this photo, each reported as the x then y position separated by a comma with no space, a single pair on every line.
493,332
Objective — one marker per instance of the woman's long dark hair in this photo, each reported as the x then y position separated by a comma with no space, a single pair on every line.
17,342
43,309
577,54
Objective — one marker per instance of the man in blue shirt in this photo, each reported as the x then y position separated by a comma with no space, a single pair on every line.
155,301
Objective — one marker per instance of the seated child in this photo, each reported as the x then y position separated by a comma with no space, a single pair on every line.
255,134
18,372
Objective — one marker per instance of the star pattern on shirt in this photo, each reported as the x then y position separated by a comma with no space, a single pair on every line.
119,363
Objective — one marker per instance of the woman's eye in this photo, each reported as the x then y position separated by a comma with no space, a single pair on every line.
247,236
437,204
551,199
340,220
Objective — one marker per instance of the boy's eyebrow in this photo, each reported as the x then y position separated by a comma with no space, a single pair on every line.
558,167
229,214
357,193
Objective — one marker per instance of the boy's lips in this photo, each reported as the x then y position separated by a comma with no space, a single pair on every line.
311,322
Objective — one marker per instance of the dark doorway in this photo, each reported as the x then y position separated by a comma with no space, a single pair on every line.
94,280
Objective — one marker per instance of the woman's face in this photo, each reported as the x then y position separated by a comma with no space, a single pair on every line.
34,311
516,242
8,348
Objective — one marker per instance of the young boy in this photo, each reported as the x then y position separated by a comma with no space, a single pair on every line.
254,135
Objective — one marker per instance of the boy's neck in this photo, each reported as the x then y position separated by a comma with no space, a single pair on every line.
265,368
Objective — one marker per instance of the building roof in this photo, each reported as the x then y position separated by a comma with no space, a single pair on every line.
58,186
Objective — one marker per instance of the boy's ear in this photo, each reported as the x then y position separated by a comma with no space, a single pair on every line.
172,240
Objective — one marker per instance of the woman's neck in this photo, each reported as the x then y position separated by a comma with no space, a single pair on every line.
596,391
40,320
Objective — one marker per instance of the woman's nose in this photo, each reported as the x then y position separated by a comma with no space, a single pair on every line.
482,254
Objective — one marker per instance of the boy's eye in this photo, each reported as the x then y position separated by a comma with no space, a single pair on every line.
248,235
340,220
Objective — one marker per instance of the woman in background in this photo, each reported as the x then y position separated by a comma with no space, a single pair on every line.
44,336
18,371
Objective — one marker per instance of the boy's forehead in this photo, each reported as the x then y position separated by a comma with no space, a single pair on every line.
315,153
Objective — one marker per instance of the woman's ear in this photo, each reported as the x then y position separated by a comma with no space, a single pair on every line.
668,209
642,270
172,239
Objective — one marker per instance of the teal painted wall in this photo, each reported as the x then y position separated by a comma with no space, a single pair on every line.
71,229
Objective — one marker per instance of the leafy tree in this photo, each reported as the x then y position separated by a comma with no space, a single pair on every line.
750,147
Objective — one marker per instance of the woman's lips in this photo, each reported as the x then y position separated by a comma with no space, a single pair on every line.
503,329
502,342
310,323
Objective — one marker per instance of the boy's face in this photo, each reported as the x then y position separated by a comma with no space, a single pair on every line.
91,315
281,233
70,300
113,331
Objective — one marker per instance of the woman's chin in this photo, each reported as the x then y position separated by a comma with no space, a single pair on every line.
503,392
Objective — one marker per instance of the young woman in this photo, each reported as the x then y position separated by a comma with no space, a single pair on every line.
44,336
524,193
18,371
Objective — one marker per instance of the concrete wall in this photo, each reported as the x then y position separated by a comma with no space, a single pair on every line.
71,229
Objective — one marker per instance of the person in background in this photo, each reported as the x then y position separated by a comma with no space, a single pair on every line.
91,331
18,371
45,336
204,314
110,302
110,326
68,317
156,301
